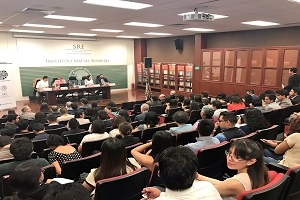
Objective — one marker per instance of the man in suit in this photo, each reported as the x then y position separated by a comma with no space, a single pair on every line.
102,81
144,110
53,123
294,79
26,113
127,138
154,101
294,95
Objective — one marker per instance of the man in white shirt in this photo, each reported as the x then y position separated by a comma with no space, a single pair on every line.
41,85
179,179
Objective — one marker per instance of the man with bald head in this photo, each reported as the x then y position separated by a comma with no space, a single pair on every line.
26,113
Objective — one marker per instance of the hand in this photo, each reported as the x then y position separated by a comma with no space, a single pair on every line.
272,143
151,192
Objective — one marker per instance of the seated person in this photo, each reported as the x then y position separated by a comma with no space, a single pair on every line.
256,103
126,137
23,125
179,179
206,136
69,191
58,81
89,80
226,122
55,111
235,103
60,152
101,80
39,131
8,132
79,115
45,108
282,99
144,110
21,149
53,123
154,101
40,117
84,103
181,118
151,120
115,127
173,104
73,125
64,116
41,85
102,115
9,112
26,113
217,106
206,113
108,110
124,113
74,106
113,163
12,121
294,95
5,142
269,103
98,133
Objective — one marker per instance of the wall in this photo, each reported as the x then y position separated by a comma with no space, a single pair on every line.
163,49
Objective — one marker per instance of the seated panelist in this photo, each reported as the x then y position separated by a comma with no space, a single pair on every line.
88,81
59,81
102,80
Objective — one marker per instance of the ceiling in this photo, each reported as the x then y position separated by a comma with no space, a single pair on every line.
163,12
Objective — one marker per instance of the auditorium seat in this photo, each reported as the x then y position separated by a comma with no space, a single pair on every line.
85,126
129,148
57,131
29,135
39,146
127,105
194,116
75,138
149,132
186,137
155,179
88,148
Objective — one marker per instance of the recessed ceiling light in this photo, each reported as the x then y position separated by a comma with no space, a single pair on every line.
119,4
108,30
296,1
198,29
142,24
43,26
25,31
260,23
71,18
127,36
216,16
154,33
82,34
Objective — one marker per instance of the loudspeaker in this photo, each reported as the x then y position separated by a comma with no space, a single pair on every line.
147,62
178,44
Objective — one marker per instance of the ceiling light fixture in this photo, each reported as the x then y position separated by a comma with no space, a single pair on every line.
126,36
108,30
143,24
260,23
119,4
155,33
71,18
42,26
216,16
198,29
83,34
295,1
25,31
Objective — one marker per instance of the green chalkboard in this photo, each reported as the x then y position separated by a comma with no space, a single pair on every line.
114,73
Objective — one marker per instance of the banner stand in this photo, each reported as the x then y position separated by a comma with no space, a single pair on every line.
7,90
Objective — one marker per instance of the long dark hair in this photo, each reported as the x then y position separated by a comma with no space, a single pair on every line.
151,119
160,141
113,160
125,114
247,150
255,119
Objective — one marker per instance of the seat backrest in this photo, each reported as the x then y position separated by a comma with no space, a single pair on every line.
240,111
135,124
29,135
49,172
129,148
186,137
137,109
250,136
127,105
194,116
268,133
293,191
57,131
170,124
212,160
64,122
155,179
6,189
75,138
85,126
137,134
73,168
39,145
89,147
2,161
274,190
148,133
125,187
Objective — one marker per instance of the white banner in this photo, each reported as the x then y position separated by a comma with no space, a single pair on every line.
7,90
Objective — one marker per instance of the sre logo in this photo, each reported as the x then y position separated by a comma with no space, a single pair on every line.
78,46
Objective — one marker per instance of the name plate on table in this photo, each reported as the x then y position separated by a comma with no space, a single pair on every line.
47,89
64,88
112,84
81,86
97,85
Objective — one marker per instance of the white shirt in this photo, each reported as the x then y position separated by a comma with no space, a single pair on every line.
94,137
88,82
42,84
200,190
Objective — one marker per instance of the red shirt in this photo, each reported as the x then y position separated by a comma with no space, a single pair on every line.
231,107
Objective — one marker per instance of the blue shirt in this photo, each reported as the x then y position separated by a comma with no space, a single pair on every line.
202,142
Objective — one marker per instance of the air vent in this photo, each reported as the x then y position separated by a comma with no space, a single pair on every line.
35,11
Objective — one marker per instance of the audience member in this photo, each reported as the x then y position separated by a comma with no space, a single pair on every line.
45,108
69,191
154,101
8,132
247,100
84,103
79,115
161,98
103,116
294,95
222,98
181,118
257,103
74,106
124,113
64,116
10,111
269,103
217,106
282,99
144,110
60,152
23,125
206,113
68,105
235,103
226,122
39,118
55,110
73,125
39,131
251,92
12,121
108,110
151,120
127,138
53,122
173,104
26,113
95,107
115,126
89,113
5,142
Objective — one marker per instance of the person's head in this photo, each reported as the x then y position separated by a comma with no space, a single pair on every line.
180,98
39,115
181,117
235,99
89,77
54,108
216,104
197,98
144,107
125,128
8,132
73,124
111,104
59,78
204,94
98,126
294,126
74,105
262,95
53,141
281,94
293,70
101,76
124,113
84,101
79,114
207,112
221,96
21,148
250,91
173,103
160,141
256,102
161,97
186,102
167,99
89,111
5,140
45,78
94,104
178,176
23,124
247,154
205,127
13,118
101,114
44,107
173,92
194,106
269,98
51,118
11,111
295,91
206,101
68,104
69,191
26,109
63,111
255,119
117,121
38,127
151,119
247,99
269,92
108,109
154,98
26,177
227,120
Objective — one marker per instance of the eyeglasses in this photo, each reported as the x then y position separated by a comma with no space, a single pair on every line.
233,157
221,120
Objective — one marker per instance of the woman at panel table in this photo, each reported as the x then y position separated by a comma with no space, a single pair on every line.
59,81
88,81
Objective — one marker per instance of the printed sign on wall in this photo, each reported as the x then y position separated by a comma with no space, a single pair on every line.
7,93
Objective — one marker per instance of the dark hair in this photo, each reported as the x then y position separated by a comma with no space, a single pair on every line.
51,117
94,104
45,77
125,128
54,108
217,104
248,99
113,160
269,92
38,127
271,96
173,103
197,98
124,113
154,98
11,117
255,119
78,113
98,126
11,111
250,91
160,141
256,102
205,127
44,107
192,96
89,111
178,176
222,96
167,99
181,117
293,69
294,126
282,92
262,95
117,121
229,116
55,140
21,148
73,123
208,112
151,119
25,177
186,102
39,115
204,94
296,90
102,115
69,191
8,132
247,150
84,101
23,124
5,140
74,105
235,99
111,104
205,101
194,106
180,98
